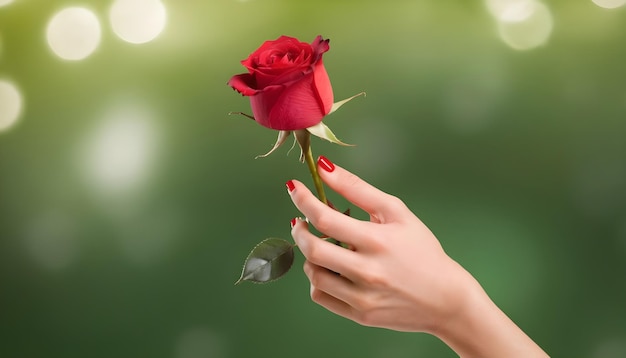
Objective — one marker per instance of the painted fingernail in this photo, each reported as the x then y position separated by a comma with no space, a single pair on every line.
290,186
325,164
293,222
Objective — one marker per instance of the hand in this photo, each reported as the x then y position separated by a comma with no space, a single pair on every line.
396,274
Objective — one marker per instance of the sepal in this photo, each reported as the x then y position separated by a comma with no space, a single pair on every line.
303,137
282,137
321,130
336,105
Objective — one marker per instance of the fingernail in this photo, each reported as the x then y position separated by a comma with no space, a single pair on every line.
293,222
325,164
290,186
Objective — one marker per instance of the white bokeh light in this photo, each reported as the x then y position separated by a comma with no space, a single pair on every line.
74,33
120,152
5,2
138,21
511,10
533,31
610,4
10,104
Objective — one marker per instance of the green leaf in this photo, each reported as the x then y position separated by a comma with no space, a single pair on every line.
336,105
268,261
321,130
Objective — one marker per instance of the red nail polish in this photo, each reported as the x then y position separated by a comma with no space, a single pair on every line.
290,186
325,164
293,222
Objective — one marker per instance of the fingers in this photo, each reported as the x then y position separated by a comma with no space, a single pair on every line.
327,220
341,296
384,207
330,282
331,303
323,253
330,290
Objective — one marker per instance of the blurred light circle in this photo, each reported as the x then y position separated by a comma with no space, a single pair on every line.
5,2
531,32
120,151
10,104
511,10
74,33
609,4
137,21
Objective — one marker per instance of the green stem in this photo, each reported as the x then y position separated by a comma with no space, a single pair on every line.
319,186
317,180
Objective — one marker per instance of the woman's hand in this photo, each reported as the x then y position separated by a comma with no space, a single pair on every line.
396,274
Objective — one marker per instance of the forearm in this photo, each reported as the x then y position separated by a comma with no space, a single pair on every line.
482,330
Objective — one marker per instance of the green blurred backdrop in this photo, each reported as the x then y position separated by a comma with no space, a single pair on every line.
129,198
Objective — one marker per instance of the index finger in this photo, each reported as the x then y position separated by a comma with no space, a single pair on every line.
327,220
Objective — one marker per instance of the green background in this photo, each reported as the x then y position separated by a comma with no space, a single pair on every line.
515,159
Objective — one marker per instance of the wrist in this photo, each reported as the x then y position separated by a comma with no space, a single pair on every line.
457,330
478,328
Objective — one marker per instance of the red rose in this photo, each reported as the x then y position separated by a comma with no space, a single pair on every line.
287,83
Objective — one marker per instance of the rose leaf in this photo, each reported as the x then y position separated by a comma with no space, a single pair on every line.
268,261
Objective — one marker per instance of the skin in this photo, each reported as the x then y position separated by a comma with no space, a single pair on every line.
397,275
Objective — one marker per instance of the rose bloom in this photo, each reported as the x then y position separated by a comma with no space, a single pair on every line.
287,83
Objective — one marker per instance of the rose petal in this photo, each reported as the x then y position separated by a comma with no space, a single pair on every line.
320,45
263,102
323,88
297,107
252,62
270,54
283,77
244,84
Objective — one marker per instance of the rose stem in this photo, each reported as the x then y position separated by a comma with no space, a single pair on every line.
317,180
319,186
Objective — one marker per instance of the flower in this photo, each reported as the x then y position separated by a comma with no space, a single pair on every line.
290,92
287,83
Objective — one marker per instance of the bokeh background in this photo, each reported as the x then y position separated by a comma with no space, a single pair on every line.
129,198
